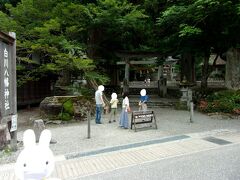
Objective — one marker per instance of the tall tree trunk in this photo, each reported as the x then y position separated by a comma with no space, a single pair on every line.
94,39
205,70
188,67
232,76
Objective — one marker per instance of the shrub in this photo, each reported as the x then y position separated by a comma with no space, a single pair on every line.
67,111
65,116
227,101
68,107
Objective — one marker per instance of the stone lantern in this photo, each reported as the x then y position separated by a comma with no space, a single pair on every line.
185,88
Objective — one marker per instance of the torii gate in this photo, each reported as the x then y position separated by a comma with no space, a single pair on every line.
126,56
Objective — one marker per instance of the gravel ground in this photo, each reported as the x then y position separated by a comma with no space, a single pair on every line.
72,137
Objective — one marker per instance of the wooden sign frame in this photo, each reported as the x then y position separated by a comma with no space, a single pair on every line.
143,117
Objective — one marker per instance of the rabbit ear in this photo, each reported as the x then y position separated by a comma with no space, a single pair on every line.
29,138
45,138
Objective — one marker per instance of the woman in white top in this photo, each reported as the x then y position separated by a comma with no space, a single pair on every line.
124,113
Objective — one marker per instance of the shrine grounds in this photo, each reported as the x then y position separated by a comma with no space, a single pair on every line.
72,138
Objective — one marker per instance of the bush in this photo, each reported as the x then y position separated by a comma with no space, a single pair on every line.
68,111
68,107
227,101
65,116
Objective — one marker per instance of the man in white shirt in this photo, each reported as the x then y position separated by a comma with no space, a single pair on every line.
99,103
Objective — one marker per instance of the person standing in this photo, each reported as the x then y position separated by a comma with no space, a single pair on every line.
125,110
113,102
99,103
143,100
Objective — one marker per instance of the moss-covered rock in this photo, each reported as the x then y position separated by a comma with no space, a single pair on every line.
66,107
50,107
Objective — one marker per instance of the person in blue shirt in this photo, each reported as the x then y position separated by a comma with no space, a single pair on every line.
143,100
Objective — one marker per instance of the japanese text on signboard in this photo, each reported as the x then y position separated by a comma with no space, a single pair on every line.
6,81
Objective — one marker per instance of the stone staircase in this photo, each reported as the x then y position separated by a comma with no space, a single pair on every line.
154,101
152,91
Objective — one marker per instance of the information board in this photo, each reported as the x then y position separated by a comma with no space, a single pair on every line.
143,117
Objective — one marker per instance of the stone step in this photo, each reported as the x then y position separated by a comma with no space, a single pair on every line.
154,101
150,90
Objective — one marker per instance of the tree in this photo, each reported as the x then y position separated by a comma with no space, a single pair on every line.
61,33
42,32
116,25
199,27
232,77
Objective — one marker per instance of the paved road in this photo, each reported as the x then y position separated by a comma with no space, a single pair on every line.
219,164
140,154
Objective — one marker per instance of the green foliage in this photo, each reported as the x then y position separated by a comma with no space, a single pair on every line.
101,79
188,31
117,25
6,151
65,116
86,92
54,31
180,105
68,111
227,101
61,32
192,24
68,107
7,24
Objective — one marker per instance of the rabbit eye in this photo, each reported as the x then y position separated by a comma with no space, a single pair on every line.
46,162
24,165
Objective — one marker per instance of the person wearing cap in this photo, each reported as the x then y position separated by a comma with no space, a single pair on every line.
99,103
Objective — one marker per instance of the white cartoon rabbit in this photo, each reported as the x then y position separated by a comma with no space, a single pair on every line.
36,161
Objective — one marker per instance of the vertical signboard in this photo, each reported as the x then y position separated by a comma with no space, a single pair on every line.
8,100
8,97
7,78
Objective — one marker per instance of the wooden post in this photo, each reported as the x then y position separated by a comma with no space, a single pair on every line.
14,90
127,70
191,112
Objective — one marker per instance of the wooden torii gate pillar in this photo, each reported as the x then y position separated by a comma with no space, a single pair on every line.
126,76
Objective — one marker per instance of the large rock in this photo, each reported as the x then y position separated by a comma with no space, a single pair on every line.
52,107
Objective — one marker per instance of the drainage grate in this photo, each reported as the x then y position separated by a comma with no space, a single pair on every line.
217,140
